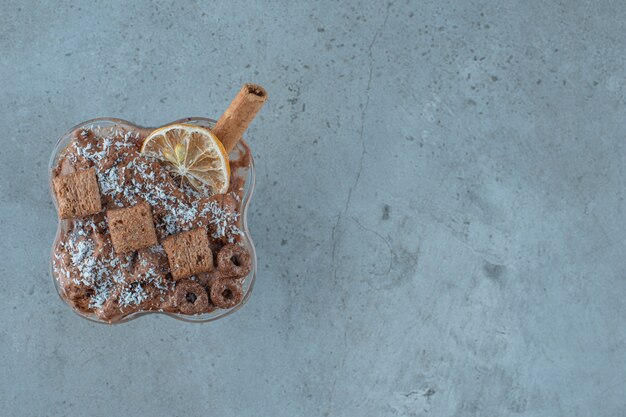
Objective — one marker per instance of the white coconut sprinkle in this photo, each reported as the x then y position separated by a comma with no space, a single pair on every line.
225,221
132,294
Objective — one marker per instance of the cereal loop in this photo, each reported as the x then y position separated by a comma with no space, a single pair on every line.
191,297
226,293
233,261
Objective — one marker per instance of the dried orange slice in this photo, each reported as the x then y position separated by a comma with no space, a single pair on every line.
192,153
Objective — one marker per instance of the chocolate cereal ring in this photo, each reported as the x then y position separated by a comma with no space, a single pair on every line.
226,293
190,297
233,261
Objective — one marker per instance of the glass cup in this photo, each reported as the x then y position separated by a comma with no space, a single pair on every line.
248,172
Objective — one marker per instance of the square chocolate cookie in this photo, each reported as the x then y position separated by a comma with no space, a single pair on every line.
188,253
131,228
77,194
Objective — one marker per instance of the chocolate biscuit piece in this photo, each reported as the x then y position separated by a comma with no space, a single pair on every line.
77,194
110,311
188,253
131,298
226,293
131,228
79,296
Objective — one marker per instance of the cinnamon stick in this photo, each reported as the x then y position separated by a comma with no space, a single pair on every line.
239,115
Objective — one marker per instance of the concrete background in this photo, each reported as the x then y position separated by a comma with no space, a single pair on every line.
439,213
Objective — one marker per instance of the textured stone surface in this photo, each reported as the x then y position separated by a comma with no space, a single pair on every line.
438,217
